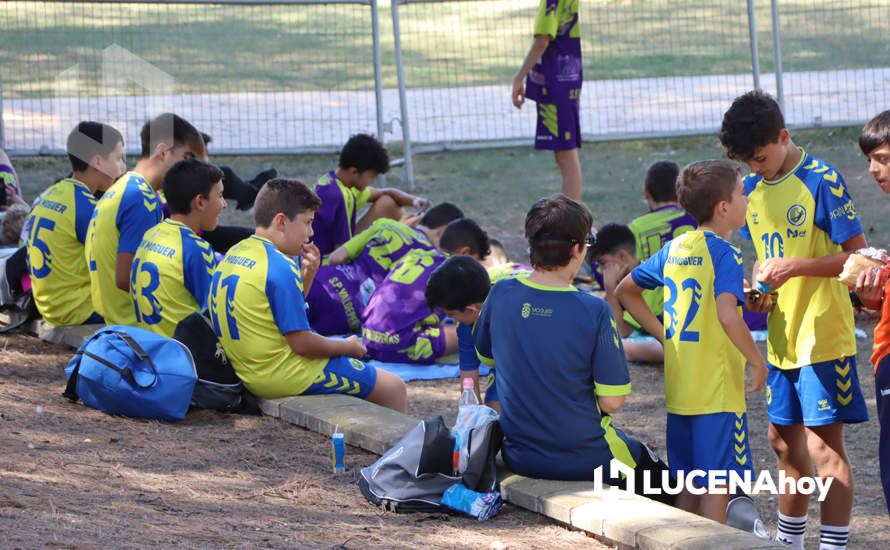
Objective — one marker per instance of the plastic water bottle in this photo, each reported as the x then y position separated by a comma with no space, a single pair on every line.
467,398
338,451
468,395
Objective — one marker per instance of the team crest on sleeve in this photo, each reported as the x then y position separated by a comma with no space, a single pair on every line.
796,215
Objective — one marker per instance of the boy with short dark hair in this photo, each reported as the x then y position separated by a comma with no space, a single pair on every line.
803,224
704,368
129,208
342,288
170,277
499,265
666,219
398,325
258,311
559,359
614,250
56,229
873,288
345,191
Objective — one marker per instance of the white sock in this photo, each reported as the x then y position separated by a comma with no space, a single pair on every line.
833,537
791,530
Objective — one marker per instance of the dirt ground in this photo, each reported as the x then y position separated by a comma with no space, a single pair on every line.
71,476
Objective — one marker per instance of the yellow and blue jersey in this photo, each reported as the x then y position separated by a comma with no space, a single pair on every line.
377,248
704,372
56,230
256,298
334,222
125,212
555,350
170,276
806,214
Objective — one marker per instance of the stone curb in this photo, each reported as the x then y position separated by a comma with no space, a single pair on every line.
628,520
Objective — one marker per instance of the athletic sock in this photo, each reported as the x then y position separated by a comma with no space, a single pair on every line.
833,537
791,530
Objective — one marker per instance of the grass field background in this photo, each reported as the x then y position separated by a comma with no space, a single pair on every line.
227,48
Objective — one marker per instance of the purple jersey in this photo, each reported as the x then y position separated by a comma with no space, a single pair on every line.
335,221
397,324
337,299
559,73
376,249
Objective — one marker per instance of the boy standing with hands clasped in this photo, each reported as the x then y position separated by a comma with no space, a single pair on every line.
702,276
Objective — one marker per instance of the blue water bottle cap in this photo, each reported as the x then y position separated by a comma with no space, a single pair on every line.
763,287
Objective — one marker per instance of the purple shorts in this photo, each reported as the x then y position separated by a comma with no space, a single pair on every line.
419,344
559,125
337,299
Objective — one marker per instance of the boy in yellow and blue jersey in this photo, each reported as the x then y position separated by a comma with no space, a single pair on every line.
803,224
56,229
257,310
704,366
129,208
342,288
561,373
170,277
666,219
345,191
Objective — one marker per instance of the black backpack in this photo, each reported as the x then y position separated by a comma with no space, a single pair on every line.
15,300
218,387
413,474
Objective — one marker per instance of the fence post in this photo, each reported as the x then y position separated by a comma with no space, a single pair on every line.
777,54
752,38
378,75
2,134
408,170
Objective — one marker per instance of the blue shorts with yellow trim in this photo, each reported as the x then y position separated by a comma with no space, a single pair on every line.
717,441
815,395
344,375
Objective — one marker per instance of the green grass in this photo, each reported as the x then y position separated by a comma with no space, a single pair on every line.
496,187
218,49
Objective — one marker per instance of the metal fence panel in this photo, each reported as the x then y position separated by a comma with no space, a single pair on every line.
651,68
294,75
835,60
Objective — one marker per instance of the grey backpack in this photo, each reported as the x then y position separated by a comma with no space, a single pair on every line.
413,474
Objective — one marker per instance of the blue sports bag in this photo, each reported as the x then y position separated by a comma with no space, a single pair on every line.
132,372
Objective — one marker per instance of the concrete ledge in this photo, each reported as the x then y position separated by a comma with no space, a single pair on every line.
621,518
71,336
